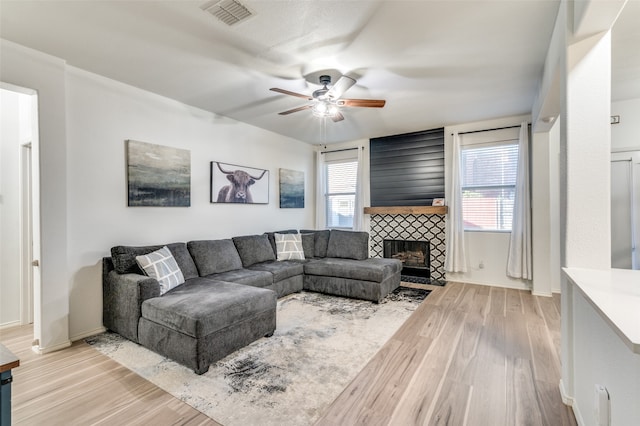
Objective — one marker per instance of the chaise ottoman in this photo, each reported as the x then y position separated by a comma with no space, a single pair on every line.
203,321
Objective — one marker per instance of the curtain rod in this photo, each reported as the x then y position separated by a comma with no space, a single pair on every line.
489,130
340,150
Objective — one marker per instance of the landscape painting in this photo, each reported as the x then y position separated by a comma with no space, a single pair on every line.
238,184
158,176
291,189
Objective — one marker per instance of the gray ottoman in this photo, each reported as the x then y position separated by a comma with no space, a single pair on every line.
370,279
203,321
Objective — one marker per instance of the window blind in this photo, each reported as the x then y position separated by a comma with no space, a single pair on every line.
340,193
488,185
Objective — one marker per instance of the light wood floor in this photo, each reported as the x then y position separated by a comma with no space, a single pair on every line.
469,355
80,386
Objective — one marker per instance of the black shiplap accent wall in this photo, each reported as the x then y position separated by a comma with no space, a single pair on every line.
407,169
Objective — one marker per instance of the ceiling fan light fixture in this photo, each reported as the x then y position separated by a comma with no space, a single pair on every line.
326,102
320,109
325,109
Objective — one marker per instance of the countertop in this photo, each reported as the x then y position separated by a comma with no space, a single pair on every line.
615,295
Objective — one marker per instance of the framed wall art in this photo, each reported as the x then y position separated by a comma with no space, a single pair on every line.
238,184
157,175
291,189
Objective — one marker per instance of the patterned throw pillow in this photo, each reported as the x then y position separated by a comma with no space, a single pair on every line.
162,266
289,246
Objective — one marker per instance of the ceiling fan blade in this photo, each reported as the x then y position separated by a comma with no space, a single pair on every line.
287,92
337,116
342,85
366,103
291,111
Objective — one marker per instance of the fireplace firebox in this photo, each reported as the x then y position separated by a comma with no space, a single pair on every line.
414,256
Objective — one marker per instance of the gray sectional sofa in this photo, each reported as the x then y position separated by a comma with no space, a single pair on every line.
230,289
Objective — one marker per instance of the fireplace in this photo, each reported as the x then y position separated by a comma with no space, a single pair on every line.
414,256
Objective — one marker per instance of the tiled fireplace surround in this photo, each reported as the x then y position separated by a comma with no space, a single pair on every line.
412,227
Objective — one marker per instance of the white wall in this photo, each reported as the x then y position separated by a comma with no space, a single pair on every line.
541,213
554,209
585,182
9,208
587,144
625,136
101,115
46,74
490,248
84,180
545,199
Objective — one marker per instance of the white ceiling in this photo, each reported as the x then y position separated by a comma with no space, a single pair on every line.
435,62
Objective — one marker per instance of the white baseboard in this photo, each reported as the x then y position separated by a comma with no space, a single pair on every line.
542,294
10,324
500,285
567,400
577,415
86,334
41,351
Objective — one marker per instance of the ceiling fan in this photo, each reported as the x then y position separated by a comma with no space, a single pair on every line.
326,101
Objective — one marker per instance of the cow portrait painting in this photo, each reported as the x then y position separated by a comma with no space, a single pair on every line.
238,184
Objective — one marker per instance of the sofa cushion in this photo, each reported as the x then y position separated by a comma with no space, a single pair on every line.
254,249
373,269
289,246
308,245
184,260
201,306
348,245
124,258
214,256
321,241
272,239
162,266
281,270
245,276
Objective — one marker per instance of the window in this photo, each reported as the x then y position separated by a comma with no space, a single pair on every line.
488,185
340,193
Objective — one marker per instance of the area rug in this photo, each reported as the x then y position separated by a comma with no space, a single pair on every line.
320,344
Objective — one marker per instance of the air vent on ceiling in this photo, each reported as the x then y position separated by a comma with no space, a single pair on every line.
228,11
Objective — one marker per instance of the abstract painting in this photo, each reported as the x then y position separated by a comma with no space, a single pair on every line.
238,184
158,175
291,189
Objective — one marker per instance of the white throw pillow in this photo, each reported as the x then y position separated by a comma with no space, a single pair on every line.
162,266
289,246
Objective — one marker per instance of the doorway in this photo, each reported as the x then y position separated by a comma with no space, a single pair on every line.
625,210
19,207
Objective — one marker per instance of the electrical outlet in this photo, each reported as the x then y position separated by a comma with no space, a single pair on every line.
481,265
602,406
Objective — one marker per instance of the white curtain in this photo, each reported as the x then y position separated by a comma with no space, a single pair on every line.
456,258
519,261
321,220
358,209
